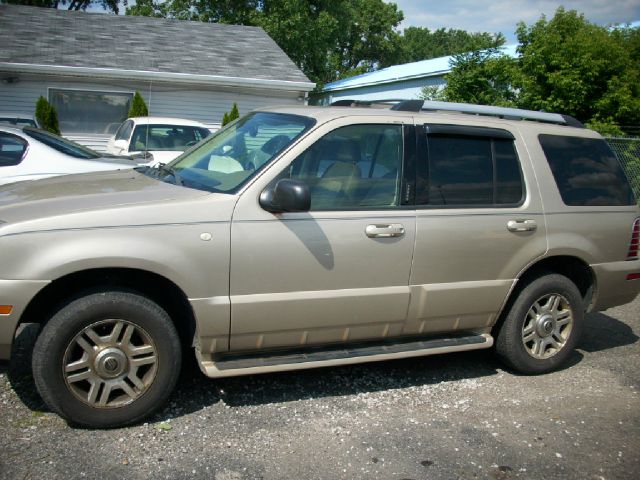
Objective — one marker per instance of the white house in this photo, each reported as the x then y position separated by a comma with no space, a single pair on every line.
89,65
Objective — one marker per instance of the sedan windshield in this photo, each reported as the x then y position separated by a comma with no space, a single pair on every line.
60,144
227,160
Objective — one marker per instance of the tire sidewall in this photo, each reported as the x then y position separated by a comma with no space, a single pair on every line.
69,321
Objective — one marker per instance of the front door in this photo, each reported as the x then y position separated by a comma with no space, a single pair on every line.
340,272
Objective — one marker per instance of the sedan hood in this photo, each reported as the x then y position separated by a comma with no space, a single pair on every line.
69,194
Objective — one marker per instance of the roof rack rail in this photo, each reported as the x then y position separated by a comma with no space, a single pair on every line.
368,103
500,112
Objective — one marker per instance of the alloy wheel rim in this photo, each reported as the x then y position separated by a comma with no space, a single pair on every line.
547,326
110,363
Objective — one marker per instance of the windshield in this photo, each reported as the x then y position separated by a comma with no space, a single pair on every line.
166,137
60,144
226,161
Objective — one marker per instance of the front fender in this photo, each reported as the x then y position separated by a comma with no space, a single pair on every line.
193,256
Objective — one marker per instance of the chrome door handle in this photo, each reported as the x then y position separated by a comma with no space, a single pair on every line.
522,225
387,230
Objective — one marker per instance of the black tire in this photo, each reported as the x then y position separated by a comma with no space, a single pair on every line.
134,366
531,352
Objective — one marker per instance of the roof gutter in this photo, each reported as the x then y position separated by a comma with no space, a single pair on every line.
187,78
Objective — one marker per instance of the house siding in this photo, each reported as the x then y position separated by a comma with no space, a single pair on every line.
197,102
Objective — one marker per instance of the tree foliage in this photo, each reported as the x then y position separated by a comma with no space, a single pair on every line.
483,77
422,44
138,106
47,116
109,5
565,64
230,116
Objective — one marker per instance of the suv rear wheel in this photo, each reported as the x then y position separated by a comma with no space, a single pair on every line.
107,359
542,326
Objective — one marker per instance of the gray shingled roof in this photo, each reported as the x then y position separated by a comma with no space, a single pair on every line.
47,36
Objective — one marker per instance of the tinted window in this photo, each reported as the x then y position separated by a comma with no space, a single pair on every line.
586,171
12,149
470,171
358,166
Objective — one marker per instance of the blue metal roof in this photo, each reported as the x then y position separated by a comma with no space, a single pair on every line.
406,71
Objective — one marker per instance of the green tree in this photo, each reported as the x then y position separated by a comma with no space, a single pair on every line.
109,5
565,65
230,116
572,66
483,77
138,106
47,116
422,44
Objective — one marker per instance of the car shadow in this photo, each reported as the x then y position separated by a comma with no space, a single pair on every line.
195,392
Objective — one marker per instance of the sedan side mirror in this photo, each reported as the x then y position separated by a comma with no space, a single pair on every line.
286,196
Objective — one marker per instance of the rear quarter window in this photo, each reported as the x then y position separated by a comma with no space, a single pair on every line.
12,149
586,171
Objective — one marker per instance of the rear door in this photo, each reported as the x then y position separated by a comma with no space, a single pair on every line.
479,223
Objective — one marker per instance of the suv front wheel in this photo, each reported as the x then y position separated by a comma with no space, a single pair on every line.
107,359
542,326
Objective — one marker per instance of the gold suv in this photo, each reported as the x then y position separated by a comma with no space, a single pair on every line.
302,237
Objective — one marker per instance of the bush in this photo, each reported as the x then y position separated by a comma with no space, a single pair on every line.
138,107
229,117
47,116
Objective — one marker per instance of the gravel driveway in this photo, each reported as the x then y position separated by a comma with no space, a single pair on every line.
442,417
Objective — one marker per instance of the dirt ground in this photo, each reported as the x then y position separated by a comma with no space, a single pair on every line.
441,417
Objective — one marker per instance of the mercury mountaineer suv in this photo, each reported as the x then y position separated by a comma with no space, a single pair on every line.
302,237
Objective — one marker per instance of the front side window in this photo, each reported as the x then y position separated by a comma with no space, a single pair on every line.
230,157
586,171
124,131
165,137
12,149
353,167
86,111
470,170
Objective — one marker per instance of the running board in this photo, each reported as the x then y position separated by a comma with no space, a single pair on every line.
267,362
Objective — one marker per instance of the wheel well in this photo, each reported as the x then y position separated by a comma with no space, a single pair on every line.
573,268
156,287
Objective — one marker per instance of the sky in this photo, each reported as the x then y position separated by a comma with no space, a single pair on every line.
503,15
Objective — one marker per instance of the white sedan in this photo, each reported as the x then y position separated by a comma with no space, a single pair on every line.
29,154
164,138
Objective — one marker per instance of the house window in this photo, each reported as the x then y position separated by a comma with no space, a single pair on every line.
85,111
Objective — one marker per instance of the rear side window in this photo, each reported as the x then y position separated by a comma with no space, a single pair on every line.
586,171
473,171
12,149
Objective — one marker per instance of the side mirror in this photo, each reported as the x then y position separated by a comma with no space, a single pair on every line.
286,196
